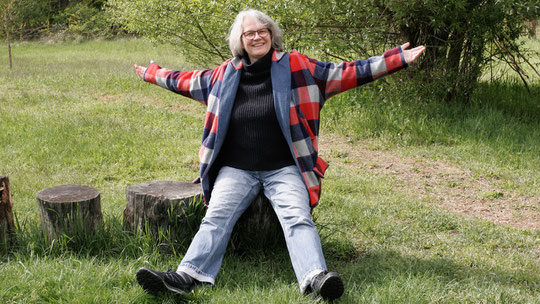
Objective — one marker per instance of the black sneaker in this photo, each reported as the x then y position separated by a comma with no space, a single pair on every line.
154,282
327,285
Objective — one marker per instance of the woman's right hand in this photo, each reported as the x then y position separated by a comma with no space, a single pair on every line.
140,70
412,54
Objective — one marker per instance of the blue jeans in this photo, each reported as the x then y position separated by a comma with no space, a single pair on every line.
233,192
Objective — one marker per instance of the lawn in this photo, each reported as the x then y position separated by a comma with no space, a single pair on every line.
76,113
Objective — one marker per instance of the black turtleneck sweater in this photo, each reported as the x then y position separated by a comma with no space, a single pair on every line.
254,139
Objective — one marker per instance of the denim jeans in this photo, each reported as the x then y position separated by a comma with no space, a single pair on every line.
233,192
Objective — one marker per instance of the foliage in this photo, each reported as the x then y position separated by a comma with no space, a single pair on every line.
27,17
197,28
87,21
36,18
462,36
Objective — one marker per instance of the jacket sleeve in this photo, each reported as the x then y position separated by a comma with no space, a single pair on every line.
194,84
334,78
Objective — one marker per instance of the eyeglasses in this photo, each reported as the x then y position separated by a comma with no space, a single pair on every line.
251,34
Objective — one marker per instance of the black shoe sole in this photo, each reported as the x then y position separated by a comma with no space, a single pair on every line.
153,283
332,287
150,281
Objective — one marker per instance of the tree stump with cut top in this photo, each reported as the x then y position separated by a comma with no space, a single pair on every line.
160,207
70,210
175,209
7,224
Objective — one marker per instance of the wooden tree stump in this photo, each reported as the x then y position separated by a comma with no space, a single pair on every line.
7,225
70,210
159,207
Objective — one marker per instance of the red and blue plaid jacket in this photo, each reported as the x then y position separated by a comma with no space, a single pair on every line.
301,85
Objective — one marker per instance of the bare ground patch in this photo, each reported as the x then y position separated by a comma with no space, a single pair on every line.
439,183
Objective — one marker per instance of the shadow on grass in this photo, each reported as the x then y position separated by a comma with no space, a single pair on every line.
511,99
392,275
381,276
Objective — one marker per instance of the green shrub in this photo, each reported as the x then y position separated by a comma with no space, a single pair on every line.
80,20
461,36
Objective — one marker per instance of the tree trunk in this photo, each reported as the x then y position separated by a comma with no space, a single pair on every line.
9,49
7,225
69,209
158,207
456,42
6,28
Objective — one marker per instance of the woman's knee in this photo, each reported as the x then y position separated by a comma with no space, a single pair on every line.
295,221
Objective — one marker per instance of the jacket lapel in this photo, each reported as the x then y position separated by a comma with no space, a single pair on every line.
281,86
228,89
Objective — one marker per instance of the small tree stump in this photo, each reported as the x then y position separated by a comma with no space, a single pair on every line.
70,210
7,225
160,208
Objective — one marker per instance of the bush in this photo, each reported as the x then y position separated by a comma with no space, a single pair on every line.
461,36
80,20
31,19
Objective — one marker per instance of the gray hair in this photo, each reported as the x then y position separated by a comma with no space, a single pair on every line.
235,34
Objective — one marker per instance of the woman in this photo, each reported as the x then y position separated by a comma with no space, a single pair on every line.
260,133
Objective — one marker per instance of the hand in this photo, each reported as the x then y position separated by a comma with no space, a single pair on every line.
140,70
412,54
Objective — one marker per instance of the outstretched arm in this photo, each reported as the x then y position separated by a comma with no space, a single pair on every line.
194,84
336,78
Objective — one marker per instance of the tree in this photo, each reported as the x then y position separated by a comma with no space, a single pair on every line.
197,28
31,19
16,15
463,36
27,17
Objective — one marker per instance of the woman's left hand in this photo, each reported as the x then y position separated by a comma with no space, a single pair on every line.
412,54
140,70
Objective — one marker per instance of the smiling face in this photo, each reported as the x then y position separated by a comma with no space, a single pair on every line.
259,46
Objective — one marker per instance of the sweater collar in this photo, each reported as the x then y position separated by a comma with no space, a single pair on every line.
238,64
259,65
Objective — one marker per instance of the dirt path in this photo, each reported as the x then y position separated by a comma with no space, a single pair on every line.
440,183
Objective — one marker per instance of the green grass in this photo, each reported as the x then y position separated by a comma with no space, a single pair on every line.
76,113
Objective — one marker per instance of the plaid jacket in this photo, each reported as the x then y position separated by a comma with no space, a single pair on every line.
301,85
